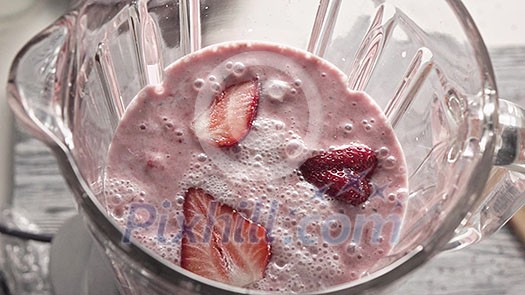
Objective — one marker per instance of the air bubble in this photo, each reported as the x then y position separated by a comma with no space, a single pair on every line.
294,149
179,200
280,263
297,83
348,126
390,162
198,83
239,68
383,152
202,157
166,204
116,199
215,87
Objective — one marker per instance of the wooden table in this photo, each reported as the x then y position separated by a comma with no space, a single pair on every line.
494,266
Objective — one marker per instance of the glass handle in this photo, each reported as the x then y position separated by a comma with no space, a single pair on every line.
38,81
510,149
504,192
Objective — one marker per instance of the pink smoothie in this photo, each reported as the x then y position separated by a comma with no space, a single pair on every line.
305,107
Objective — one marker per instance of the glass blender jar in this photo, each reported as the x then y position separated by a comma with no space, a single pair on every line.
427,67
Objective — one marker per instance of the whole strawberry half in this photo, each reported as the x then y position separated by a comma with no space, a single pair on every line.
230,116
220,244
343,173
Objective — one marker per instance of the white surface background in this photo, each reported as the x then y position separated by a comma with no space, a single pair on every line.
501,23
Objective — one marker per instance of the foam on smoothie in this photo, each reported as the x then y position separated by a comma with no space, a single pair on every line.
305,107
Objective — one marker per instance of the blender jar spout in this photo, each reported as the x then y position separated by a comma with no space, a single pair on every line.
38,82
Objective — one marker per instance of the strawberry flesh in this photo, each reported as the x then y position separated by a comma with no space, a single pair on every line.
220,244
343,174
230,116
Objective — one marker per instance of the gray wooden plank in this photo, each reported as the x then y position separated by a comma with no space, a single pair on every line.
494,266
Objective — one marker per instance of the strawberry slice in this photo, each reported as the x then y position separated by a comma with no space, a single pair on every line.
220,244
343,174
354,157
230,116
